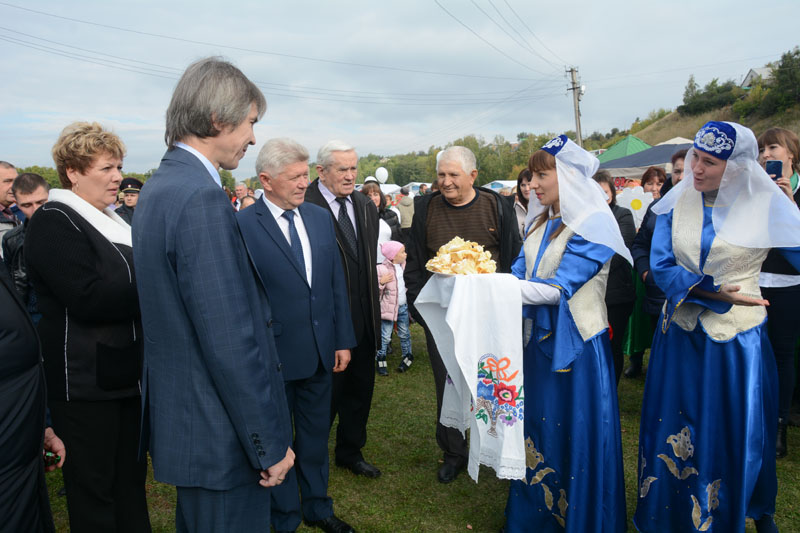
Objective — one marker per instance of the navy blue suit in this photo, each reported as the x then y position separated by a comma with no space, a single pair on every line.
309,323
214,408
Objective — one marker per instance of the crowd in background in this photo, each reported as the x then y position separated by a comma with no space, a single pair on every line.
116,291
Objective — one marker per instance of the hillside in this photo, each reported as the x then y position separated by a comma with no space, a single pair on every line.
675,125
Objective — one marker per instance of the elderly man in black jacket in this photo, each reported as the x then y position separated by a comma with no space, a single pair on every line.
474,214
356,224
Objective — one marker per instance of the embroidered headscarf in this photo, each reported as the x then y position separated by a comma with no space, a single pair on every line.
750,210
584,208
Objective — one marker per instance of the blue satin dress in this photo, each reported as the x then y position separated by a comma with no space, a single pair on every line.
574,480
709,414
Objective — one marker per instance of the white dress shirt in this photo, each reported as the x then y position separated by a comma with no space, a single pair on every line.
283,224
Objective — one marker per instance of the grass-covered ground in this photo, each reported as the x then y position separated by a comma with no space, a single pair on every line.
407,497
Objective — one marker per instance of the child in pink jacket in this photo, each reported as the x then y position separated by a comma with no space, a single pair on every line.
394,307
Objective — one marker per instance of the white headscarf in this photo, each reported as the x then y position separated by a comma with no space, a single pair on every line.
584,206
750,209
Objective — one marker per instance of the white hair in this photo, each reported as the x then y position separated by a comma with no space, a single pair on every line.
325,154
279,152
243,184
460,154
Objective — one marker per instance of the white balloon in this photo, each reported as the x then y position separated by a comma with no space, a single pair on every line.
382,174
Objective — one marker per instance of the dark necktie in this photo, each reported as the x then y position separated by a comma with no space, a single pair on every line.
346,225
294,241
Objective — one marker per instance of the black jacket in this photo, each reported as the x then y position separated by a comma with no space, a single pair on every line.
390,217
12,255
125,213
416,275
654,298
620,288
90,329
360,272
23,494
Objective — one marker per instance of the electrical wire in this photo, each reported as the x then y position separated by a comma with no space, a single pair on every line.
525,46
476,34
264,52
534,35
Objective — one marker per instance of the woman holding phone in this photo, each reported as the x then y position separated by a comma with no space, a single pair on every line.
779,150
707,435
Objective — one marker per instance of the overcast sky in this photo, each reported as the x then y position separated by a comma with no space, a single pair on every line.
388,77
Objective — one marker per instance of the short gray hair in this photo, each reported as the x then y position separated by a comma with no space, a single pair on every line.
325,154
277,153
243,184
6,164
460,154
211,90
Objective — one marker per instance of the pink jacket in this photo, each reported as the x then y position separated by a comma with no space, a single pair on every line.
388,292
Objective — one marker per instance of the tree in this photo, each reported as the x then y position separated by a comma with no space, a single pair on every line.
227,179
691,90
49,174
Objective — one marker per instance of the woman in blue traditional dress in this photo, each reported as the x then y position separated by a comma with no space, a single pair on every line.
707,436
574,478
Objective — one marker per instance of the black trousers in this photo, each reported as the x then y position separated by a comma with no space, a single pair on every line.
618,315
450,440
352,399
783,322
103,476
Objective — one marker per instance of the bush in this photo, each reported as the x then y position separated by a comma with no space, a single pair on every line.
713,96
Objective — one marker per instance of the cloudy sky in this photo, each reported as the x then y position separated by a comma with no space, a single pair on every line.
389,77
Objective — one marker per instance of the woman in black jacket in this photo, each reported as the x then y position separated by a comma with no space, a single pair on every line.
780,281
620,292
80,262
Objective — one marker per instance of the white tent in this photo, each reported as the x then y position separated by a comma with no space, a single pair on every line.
389,188
500,184
676,140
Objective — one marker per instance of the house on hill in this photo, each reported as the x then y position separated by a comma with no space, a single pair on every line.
754,74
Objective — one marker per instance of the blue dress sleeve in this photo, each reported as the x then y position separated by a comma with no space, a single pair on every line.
677,282
792,255
518,265
555,331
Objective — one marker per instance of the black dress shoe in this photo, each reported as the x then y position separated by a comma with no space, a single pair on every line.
332,524
448,472
360,468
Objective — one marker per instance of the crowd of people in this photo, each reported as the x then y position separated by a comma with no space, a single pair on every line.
114,293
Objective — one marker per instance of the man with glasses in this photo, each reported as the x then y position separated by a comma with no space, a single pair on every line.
356,225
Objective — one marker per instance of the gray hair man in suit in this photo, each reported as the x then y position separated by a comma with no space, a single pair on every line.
215,417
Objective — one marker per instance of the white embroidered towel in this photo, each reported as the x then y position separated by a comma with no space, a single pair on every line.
476,321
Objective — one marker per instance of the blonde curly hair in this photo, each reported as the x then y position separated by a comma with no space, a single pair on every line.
79,146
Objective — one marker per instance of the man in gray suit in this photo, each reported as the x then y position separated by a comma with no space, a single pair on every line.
214,412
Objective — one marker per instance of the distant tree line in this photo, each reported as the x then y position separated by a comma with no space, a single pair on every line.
764,97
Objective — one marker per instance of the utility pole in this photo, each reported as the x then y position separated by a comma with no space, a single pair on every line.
577,92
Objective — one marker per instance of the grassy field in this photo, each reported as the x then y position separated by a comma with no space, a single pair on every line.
407,497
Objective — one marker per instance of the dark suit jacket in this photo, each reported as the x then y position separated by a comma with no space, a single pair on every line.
211,384
363,284
309,323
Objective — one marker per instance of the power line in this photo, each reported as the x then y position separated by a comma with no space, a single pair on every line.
270,90
525,46
476,34
345,92
264,52
531,32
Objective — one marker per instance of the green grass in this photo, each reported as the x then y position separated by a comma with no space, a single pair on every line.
407,497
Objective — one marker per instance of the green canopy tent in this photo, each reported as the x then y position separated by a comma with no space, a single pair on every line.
627,146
